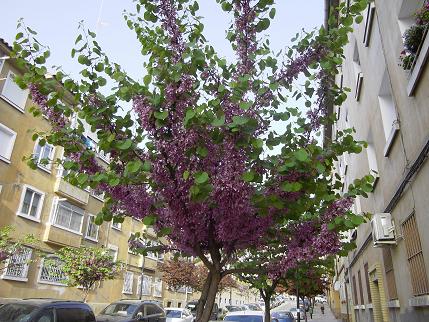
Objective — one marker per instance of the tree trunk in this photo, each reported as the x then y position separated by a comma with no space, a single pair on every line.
267,309
211,297
203,297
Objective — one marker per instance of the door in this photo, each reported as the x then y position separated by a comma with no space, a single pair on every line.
46,315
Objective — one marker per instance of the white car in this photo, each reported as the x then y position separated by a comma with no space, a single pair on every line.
178,314
294,311
245,316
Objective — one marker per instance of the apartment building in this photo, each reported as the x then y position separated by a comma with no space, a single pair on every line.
388,108
40,202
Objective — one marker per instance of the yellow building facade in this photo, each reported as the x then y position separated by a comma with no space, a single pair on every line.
40,202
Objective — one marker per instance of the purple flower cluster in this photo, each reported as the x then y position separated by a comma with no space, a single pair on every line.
57,119
245,36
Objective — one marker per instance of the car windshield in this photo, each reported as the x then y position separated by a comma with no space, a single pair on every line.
243,318
14,312
231,308
253,307
121,309
173,313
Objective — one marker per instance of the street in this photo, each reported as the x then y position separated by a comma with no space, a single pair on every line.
317,315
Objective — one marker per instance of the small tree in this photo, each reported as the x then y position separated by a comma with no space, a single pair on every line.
10,246
86,266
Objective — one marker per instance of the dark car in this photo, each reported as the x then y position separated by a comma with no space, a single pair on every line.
192,306
46,310
132,311
283,316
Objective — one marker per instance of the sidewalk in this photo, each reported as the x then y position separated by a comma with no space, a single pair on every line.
319,317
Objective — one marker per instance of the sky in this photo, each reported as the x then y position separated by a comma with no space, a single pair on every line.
56,22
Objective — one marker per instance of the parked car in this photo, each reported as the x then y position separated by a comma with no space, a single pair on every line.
233,308
294,311
132,311
283,316
192,306
178,314
251,307
45,310
245,316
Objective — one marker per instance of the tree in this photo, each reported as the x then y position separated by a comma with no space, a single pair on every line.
179,273
10,247
189,157
84,267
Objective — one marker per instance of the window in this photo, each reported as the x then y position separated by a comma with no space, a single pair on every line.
31,203
97,194
370,12
92,229
74,314
51,271
388,111
368,288
113,250
128,283
43,156
372,159
116,225
13,93
7,139
147,285
1,61
390,274
355,296
17,265
157,287
360,288
68,216
406,13
358,71
47,315
416,262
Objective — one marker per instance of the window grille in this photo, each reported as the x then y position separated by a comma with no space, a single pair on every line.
51,271
128,283
390,275
17,265
416,262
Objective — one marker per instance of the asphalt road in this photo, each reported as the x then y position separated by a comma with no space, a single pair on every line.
317,316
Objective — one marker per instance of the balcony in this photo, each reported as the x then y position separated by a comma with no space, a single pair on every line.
61,237
71,192
150,264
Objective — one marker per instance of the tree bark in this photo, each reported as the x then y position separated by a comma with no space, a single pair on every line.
207,307
267,301
203,297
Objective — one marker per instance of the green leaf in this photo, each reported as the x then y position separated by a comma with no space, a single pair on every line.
161,115
202,151
134,166
82,178
149,220
147,166
186,175
301,155
248,176
147,79
226,6
272,13
114,182
125,145
219,121
240,120
201,177
263,24
291,186
246,105
189,115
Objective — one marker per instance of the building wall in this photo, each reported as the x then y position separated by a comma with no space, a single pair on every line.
15,175
379,64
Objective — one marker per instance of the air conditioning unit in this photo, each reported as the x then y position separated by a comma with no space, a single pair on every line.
383,230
